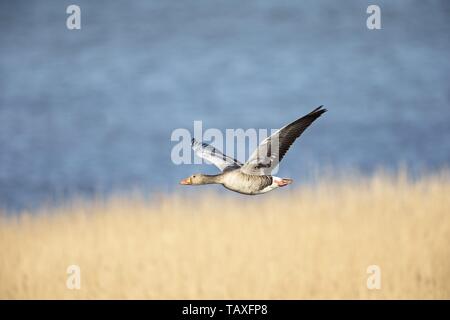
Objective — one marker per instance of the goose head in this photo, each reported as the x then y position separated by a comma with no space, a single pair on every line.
195,179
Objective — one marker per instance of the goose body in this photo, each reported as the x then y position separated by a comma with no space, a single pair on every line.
238,181
254,176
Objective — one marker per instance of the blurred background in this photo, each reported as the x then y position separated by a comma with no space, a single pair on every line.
90,112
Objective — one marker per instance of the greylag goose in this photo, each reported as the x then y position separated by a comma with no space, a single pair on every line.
254,176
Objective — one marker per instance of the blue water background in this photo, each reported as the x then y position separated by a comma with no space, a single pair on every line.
90,112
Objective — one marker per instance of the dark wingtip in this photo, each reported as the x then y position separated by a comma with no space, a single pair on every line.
192,141
318,111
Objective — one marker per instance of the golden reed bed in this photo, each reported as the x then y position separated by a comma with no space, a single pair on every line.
311,242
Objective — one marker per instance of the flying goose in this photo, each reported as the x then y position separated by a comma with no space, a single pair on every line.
254,176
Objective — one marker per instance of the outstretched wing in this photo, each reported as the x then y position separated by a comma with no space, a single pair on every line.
272,150
215,156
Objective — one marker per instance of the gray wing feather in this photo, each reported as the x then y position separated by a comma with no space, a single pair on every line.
272,150
215,156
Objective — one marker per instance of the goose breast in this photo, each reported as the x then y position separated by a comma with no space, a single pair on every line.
244,183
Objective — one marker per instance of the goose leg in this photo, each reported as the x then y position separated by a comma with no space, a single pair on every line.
283,182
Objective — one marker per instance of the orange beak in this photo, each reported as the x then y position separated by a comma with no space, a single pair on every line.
186,181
